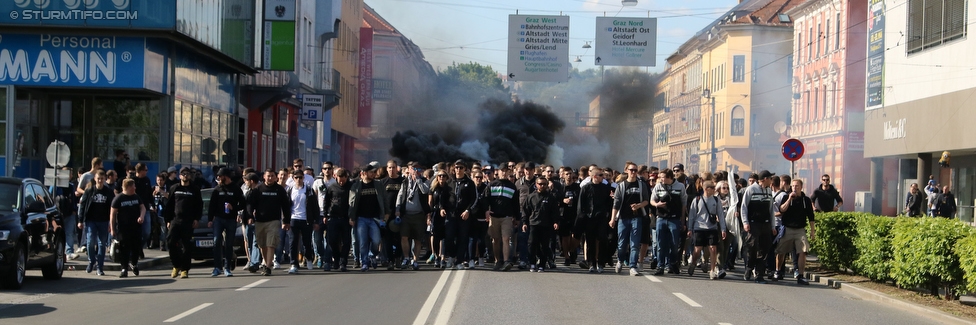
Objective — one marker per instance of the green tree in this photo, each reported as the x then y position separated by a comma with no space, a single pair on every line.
470,76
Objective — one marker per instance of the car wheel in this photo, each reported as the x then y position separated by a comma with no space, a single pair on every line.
55,270
14,279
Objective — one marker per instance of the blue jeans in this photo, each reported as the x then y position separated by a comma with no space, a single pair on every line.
368,230
70,226
322,250
255,251
355,244
283,247
668,242
628,236
97,242
223,249
146,228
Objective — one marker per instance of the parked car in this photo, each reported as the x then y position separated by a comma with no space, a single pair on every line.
31,232
203,236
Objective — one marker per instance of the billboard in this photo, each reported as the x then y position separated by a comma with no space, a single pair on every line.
149,14
72,60
876,53
365,100
279,35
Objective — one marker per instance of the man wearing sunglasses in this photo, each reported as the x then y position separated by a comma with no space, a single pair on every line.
503,207
629,201
593,215
826,198
321,187
464,198
539,215
368,211
299,165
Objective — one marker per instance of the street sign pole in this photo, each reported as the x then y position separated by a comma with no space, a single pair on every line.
793,150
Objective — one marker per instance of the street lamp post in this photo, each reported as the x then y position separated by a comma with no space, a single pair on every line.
712,163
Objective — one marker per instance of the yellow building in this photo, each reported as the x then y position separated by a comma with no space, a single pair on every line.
728,97
346,64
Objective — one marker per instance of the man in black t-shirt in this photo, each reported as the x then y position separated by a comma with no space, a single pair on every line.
368,210
629,200
182,213
127,217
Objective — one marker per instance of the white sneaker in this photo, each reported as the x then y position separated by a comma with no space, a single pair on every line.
481,262
72,256
634,272
471,264
309,265
618,267
82,249
293,270
532,268
276,266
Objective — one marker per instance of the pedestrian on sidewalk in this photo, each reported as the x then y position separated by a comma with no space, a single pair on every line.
127,216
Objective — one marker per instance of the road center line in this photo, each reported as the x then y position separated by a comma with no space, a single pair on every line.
447,308
431,300
724,323
687,300
652,278
188,312
252,285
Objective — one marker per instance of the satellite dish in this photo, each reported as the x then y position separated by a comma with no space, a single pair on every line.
779,127
58,154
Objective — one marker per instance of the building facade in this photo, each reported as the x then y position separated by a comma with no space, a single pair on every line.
157,79
828,103
918,90
402,81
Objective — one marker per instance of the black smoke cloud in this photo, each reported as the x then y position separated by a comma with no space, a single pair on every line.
626,97
519,131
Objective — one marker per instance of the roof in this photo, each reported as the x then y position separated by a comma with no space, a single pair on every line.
372,19
768,15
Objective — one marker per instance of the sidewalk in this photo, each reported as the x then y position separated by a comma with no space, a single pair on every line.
872,295
154,257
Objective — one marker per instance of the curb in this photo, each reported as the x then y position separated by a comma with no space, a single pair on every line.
868,294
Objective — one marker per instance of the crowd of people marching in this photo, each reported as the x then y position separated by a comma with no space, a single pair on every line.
462,215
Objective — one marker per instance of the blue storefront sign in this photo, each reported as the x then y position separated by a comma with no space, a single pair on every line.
72,60
150,14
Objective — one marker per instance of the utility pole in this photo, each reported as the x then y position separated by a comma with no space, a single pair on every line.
712,163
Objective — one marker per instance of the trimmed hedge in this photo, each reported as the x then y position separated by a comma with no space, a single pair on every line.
924,255
873,244
966,250
834,243
931,253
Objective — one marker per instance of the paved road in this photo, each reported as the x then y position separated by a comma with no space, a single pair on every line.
429,296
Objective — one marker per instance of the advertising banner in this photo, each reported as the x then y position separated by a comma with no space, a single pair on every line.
149,14
876,52
365,118
72,60
279,35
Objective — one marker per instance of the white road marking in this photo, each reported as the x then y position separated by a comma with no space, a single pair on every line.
652,278
450,298
724,323
687,300
252,285
188,312
431,300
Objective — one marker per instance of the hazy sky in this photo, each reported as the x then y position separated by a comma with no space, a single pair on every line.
469,30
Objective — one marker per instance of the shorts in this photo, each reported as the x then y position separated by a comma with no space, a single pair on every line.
707,238
793,238
566,227
500,228
267,233
645,235
414,226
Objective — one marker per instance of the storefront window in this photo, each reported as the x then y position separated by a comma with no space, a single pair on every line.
128,124
200,142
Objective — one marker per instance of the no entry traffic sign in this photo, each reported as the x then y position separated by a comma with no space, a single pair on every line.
793,149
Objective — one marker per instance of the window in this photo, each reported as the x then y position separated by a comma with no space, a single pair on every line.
738,121
827,37
934,22
823,91
816,103
837,33
809,45
819,38
755,76
738,68
799,43
789,69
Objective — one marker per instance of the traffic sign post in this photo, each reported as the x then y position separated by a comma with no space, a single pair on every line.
793,150
622,41
538,48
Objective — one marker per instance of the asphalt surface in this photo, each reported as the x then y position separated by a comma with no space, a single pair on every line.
429,296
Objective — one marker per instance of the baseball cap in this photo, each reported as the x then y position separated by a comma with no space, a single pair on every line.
460,162
186,169
530,165
679,166
765,174
171,169
369,168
